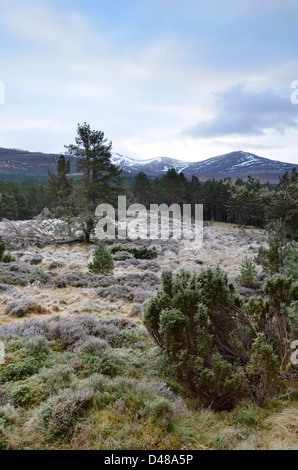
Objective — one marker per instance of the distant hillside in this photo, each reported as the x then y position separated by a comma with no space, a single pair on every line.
238,165
21,162
234,165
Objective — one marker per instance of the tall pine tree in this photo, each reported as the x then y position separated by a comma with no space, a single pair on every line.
101,180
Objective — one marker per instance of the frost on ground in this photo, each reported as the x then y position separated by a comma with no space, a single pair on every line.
81,372
55,279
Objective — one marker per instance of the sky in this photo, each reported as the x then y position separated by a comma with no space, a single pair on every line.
187,79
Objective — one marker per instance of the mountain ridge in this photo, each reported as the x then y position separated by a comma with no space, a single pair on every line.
233,164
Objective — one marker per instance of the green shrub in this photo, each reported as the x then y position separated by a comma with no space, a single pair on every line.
58,377
291,261
93,346
264,371
258,309
103,262
162,411
219,349
191,318
280,290
123,255
36,345
38,274
61,413
20,370
283,293
27,395
5,257
138,252
248,274
272,259
107,363
145,253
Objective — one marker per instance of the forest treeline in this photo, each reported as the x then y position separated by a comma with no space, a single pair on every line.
242,202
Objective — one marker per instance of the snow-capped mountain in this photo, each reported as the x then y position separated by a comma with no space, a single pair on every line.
234,165
153,166
238,165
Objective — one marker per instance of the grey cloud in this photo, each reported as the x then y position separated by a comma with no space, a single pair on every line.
242,112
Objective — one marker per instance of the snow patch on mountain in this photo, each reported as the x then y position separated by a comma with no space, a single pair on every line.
118,159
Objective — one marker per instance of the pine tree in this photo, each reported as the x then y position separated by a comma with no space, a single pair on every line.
214,198
158,192
176,187
101,181
248,273
245,205
272,259
140,189
60,186
283,203
8,202
103,262
195,191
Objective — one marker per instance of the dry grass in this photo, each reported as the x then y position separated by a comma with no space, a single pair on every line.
280,431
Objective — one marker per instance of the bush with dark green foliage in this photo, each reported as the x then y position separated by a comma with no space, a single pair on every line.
142,252
279,263
193,320
103,262
272,259
275,314
282,293
264,368
20,370
259,310
7,258
212,341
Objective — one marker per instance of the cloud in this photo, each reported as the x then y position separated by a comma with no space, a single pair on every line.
243,112
142,71
41,24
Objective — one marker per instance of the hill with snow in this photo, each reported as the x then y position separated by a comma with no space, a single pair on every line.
234,164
